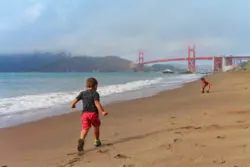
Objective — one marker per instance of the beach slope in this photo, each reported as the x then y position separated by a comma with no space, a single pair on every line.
177,128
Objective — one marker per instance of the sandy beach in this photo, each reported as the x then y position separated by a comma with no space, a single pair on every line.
177,128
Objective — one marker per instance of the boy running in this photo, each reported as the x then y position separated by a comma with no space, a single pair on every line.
204,85
91,105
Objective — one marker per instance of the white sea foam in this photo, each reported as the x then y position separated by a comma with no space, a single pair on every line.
22,103
21,109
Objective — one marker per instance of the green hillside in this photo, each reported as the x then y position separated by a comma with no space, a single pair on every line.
247,65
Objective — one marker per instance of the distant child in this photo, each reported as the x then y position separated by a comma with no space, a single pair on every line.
91,105
205,84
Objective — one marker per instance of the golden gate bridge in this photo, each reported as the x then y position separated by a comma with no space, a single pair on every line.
219,63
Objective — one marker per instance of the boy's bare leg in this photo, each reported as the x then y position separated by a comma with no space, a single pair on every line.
203,90
97,142
84,134
81,140
207,89
97,133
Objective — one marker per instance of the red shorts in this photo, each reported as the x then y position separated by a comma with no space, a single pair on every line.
90,118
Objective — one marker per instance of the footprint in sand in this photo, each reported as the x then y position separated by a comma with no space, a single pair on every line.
128,165
120,156
199,145
71,162
242,146
219,161
191,127
241,121
102,151
176,140
214,126
221,137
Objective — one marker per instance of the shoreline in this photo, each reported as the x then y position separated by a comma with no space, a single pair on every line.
78,110
18,119
179,125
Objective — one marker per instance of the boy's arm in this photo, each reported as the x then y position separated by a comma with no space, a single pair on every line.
98,104
100,108
209,85
74,103
202,85
79,97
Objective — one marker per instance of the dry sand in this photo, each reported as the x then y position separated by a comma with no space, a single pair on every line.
177,128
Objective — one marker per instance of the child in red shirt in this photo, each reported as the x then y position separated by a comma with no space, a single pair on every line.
205,84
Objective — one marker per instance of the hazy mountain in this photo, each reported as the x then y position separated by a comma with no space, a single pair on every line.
62,62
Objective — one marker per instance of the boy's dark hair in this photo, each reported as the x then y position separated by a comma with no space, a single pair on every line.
202,78
91,83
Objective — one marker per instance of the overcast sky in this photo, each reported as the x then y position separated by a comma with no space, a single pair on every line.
162,28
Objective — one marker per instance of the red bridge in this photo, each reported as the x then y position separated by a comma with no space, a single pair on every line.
218,61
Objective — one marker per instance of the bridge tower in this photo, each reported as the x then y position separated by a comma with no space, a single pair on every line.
217,64
140,61
229,60
191,59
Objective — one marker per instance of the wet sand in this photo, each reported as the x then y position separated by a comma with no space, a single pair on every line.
176,128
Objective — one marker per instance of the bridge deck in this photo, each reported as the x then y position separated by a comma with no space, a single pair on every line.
177,59
196,58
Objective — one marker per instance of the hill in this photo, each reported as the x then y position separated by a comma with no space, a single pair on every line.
62,62
245,66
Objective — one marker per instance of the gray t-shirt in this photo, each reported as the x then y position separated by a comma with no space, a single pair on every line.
88,98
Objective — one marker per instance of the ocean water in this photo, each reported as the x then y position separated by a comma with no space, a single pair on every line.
28,97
